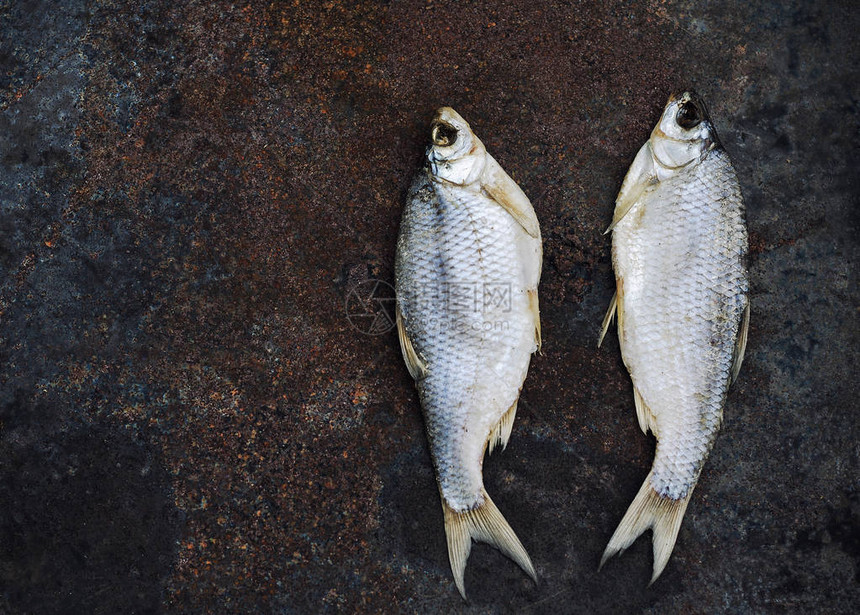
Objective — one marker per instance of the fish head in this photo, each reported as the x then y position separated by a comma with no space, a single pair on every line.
455,154
685,132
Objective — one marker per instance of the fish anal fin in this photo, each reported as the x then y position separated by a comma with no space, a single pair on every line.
414,364
607,320
741,344
650,510
501,433
641,175
647,420
499,186
484,523
534,307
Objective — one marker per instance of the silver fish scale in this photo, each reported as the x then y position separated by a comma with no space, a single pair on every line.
680,253
464,304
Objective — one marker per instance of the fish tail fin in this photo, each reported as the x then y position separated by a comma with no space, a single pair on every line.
650,510
483,523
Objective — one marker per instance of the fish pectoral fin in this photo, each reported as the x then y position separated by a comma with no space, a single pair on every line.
501,433
414,364
607,320
640,176
741,344
646,418
499,186
484,523
534,308
650,510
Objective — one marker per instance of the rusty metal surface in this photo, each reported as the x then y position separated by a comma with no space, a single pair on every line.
189,422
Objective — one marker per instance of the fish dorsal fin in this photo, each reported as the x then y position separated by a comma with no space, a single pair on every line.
741,344
499,186
642,174
647,420
414,364
501,433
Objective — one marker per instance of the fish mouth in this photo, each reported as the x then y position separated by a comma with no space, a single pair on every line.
691,109
443,134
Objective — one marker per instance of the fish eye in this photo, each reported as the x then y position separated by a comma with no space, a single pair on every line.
688,116
444,135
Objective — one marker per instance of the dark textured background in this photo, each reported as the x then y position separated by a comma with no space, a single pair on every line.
189,191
